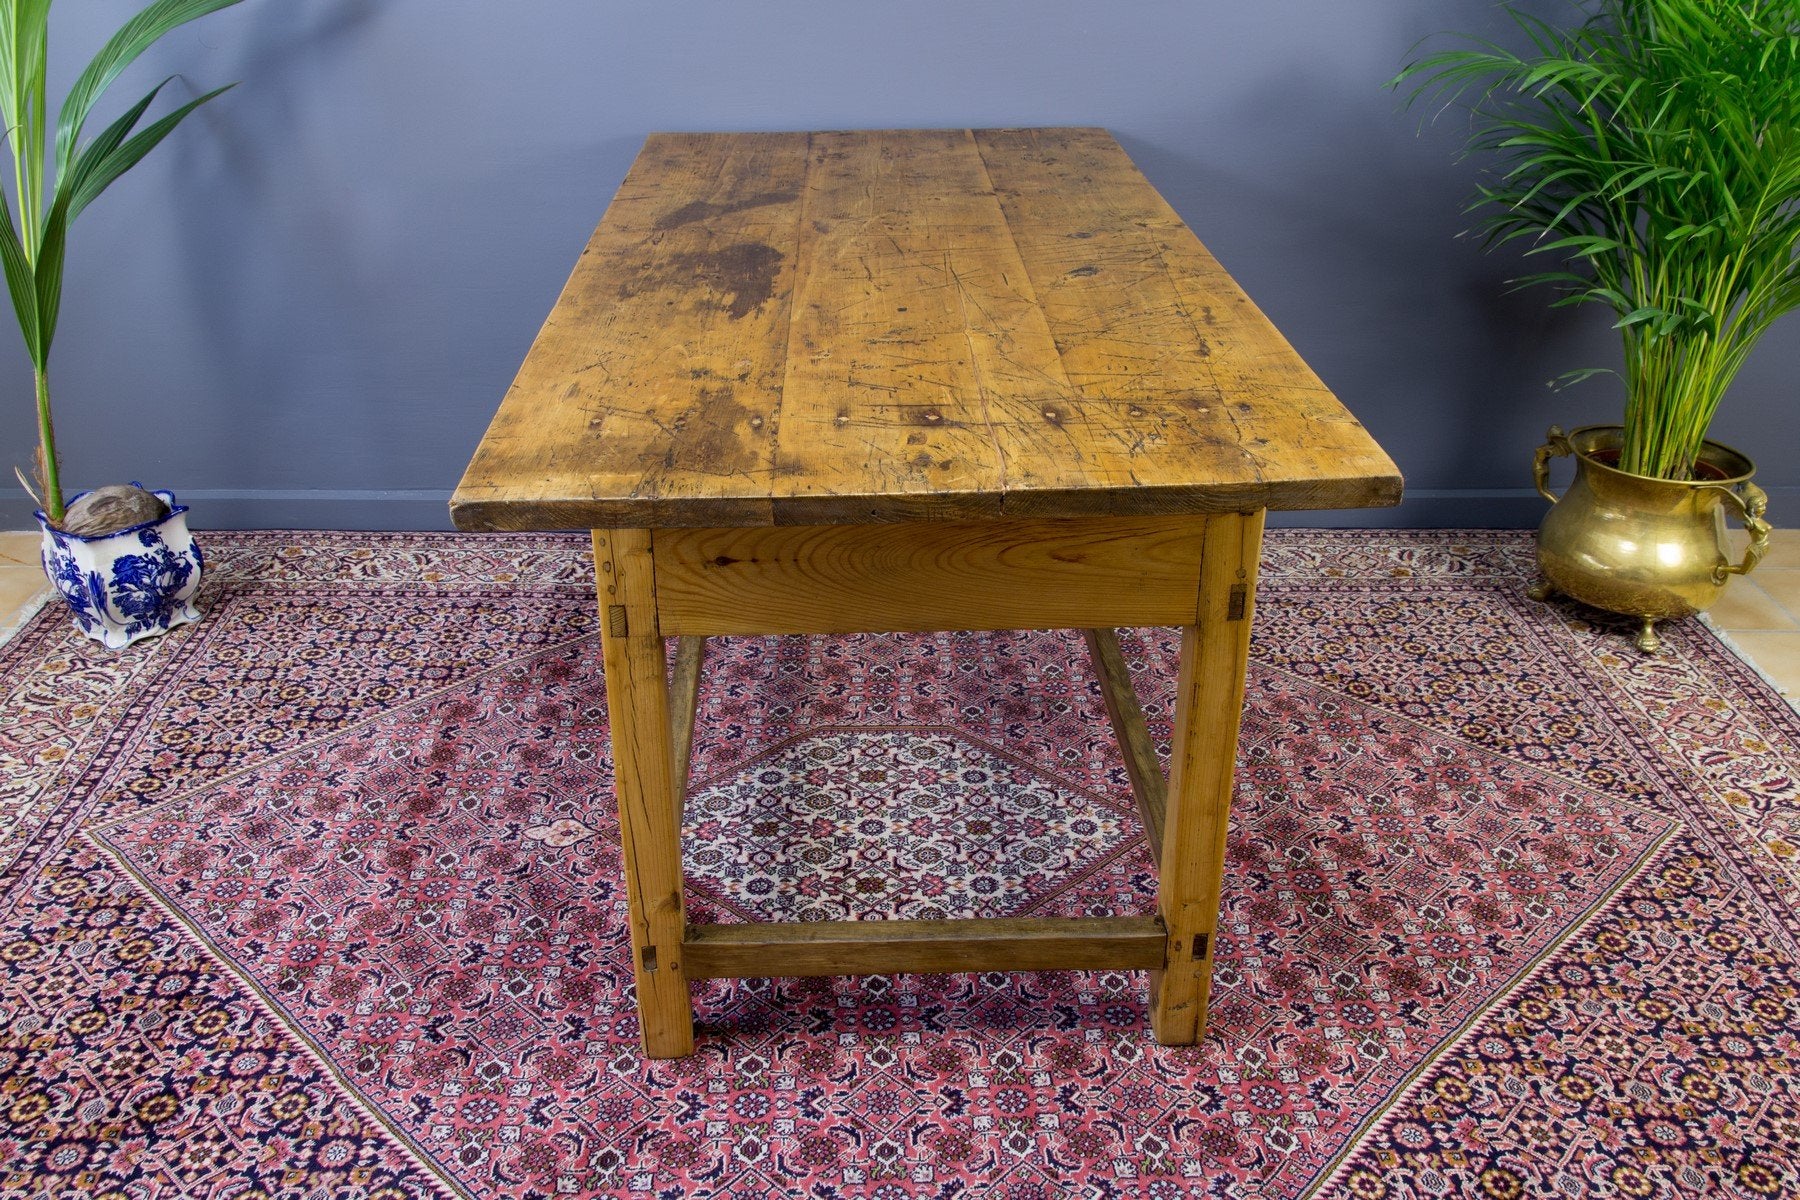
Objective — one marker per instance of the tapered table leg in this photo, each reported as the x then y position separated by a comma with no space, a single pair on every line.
637,705
1209,701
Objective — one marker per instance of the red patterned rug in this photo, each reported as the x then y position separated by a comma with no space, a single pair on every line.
319,898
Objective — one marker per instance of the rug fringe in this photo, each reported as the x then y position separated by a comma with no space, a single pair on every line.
22,618
1744,656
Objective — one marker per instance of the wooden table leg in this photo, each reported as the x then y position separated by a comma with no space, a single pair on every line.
1209,702
637,705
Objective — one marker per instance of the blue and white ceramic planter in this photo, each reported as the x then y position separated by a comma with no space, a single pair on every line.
130,585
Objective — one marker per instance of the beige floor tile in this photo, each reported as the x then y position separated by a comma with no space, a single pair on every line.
19,549
18,585
1781,586
1746,606
1784,549
1776,654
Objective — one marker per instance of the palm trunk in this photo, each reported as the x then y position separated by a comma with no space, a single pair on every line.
48,477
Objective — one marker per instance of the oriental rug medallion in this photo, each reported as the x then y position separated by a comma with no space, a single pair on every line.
320,897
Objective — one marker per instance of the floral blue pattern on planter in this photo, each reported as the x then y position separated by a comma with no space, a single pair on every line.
126,586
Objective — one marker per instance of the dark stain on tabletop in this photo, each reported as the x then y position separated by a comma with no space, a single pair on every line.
716,435
738,278
702,210
743,271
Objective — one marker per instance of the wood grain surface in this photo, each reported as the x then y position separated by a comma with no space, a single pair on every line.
886,947
1028,574
1148,786
876,326
1209,705
637,705
684,704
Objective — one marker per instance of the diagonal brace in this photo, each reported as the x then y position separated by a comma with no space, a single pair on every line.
684,702
1148,787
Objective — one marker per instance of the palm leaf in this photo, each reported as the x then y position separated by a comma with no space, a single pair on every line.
24,41
1655,146
132,39
20,282
103,160
32,250
48,272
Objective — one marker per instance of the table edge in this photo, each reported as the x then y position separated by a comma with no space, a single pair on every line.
472,511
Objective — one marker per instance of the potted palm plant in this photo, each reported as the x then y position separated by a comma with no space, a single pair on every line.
121,557
1652,150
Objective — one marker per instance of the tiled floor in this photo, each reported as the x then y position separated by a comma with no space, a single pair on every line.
1759,613
21,578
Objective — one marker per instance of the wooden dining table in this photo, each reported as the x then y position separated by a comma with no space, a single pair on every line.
914,380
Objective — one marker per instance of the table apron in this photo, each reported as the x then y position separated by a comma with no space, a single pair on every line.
1078,573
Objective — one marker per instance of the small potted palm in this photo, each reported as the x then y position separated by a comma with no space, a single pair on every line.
121,557
1652,151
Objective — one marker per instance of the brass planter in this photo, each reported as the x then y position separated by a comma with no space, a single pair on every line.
1644,547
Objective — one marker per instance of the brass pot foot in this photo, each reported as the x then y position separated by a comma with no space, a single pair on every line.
1647,641
1541,590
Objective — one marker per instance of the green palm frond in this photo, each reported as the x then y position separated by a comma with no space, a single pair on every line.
133,38
33,247
1655,148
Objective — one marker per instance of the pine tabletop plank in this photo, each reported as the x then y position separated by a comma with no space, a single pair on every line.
892,325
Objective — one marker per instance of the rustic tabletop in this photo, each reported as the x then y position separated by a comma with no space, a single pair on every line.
872,326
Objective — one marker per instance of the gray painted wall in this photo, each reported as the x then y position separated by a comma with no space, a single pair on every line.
303,309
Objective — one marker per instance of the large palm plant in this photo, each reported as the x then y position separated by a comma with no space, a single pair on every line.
1655,147
32,247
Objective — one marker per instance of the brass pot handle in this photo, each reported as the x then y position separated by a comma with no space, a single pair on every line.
1556,445
1750,506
